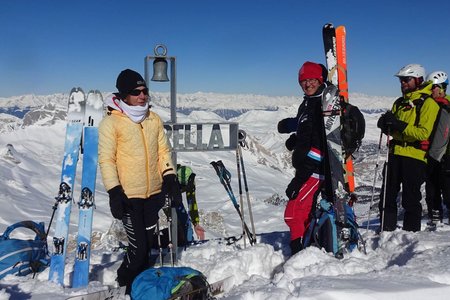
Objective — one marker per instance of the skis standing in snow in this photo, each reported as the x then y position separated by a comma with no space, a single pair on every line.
63,205
309,147
86,204
137,169
407,159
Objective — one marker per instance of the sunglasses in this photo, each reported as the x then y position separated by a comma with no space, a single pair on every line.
137,92
406,79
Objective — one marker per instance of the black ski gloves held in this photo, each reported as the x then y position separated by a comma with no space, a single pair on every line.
388,123
291,141
293,188
171,189
287,125
117,200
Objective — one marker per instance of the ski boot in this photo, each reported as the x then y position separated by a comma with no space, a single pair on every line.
436,218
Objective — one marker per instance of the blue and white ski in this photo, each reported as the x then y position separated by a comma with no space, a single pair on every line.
75,115
86,204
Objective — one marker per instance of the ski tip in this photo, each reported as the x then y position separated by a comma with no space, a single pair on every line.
341,28
76,90
328,25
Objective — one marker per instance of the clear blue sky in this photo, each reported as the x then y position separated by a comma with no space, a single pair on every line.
226,46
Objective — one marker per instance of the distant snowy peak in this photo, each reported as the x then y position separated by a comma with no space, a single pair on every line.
45,115
371,103
202,100
31,108
26,101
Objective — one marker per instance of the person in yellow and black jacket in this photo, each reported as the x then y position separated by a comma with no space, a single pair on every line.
137,169
409,123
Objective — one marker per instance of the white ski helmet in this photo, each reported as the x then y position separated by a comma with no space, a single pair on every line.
412,70
438,77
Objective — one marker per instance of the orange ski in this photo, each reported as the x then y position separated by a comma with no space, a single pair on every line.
341,55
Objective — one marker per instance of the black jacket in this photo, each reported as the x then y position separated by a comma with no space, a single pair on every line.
308,142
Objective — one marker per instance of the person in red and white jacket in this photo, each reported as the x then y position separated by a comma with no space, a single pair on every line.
309,147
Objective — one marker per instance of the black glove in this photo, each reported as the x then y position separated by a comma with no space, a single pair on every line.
287,125
117,200
293,188
171,189
382,123
291,141
389,121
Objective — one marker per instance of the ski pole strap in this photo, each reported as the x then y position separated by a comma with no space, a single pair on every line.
241,138
224,176
222,172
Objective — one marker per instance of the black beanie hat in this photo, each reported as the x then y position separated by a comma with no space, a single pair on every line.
127,81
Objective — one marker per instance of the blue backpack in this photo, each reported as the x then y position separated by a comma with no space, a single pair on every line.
170,283
322,231
22,257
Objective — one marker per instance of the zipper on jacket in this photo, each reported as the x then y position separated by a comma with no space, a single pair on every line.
146,160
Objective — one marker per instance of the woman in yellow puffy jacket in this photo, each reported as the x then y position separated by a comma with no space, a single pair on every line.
410,123
137,169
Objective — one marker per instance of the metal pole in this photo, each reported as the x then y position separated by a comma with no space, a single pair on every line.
375,178
241,201
385,179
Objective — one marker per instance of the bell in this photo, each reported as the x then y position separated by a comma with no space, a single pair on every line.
160,69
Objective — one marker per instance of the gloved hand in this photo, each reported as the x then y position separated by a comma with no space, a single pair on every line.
382,123
293,188
287,125
117,200
291,141
394,123
171,189
388,122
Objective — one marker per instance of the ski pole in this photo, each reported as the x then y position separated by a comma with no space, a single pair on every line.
54,207
169,231
224,177
385,179
244,143
375,178
63,196
241,201
159,244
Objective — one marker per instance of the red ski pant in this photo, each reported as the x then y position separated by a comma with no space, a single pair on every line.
297,213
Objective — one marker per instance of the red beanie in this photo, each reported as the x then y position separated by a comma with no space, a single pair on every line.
310,70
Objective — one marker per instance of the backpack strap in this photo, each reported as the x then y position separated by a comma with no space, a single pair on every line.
417,103
35,227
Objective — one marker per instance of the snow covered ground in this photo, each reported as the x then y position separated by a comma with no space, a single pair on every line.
397,265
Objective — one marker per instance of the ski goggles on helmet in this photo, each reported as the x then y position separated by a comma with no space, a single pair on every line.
137,92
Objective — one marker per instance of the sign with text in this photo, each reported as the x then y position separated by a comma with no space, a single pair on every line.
185,137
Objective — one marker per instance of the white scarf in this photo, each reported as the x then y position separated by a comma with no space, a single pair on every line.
137,113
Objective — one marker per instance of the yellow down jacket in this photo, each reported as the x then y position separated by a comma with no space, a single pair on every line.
134,155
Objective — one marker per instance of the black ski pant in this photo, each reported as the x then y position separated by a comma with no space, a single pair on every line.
139,221
433,186
445,180
409,173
